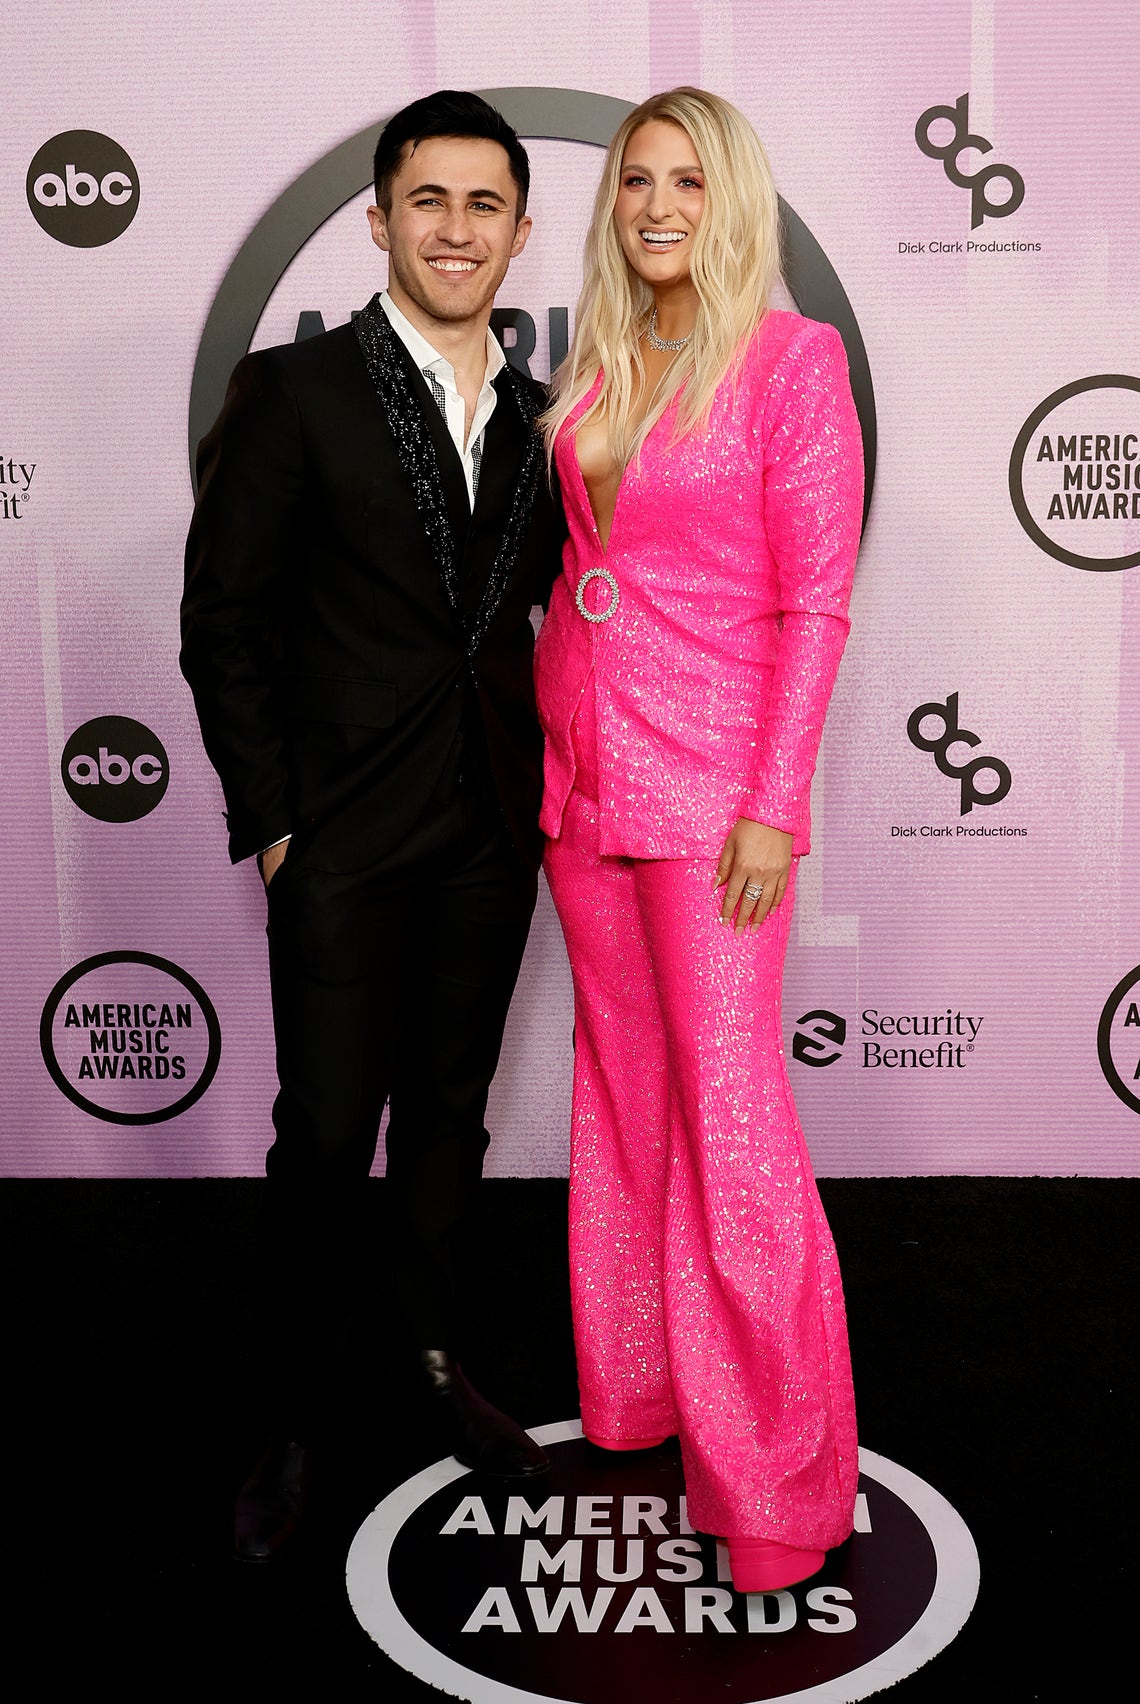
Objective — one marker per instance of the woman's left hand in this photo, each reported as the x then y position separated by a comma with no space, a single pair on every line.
753,871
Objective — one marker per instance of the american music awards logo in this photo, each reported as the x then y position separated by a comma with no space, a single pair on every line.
130,1038
593,1588
1118,1040
1074,474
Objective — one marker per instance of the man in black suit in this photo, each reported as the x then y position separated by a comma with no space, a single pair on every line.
372,530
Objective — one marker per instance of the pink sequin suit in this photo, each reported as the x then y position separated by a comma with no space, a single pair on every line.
707,1298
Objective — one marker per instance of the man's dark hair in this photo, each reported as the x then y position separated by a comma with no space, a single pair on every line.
449,112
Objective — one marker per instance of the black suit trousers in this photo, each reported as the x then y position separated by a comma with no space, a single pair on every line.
390,985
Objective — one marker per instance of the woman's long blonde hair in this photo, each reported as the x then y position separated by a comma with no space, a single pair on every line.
735,265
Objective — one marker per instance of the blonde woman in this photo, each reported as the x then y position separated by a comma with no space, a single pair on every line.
711,465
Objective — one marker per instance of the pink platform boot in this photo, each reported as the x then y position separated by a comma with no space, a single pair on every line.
626,1443
761,1565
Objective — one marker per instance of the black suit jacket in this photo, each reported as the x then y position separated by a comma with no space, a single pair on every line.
339,656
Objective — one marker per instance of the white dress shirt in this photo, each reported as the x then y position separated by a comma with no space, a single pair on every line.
440,376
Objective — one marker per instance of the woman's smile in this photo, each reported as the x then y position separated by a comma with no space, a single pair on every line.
660,201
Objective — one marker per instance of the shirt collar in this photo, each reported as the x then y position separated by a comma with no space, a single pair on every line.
428,359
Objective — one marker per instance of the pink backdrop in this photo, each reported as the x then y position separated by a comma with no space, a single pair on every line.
968,975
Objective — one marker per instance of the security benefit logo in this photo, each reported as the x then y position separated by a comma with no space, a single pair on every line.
15,487
83,188
890,1041
917,1041
1118,1040
996,190
818,1039
1074,474
595,1589
130,1038
114,769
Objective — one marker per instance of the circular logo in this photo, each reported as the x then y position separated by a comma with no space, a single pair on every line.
1118,1040
1074,473
593,1588
83,188
568,115
115,769
130,1038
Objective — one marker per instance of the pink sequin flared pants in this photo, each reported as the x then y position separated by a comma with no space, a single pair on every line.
706,1292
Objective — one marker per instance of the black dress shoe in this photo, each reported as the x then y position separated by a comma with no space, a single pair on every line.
271,1503
479,1435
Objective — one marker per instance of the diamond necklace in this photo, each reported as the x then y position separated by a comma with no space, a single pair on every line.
669,345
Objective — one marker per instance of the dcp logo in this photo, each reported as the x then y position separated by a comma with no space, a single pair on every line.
952,735
114,769
981,207
819,1038
83,188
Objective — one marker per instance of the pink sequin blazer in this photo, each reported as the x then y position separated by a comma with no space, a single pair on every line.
732,555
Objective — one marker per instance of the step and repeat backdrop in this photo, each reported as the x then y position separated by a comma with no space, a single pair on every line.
184,182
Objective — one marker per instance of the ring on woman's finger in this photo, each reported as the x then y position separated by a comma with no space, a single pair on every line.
753,890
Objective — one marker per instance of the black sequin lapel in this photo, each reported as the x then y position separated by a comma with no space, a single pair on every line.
381,349
529,406
382,356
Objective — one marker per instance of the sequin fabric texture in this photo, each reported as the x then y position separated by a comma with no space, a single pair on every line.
733,554
707,1297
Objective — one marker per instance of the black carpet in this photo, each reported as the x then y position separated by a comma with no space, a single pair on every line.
993,1327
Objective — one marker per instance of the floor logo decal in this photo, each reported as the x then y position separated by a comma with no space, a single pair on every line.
590,1587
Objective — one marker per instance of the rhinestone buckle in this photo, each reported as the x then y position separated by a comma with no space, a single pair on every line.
615,598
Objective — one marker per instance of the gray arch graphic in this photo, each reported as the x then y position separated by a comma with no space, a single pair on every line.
562,115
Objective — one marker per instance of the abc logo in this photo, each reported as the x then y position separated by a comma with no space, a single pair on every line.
114,769
83,188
